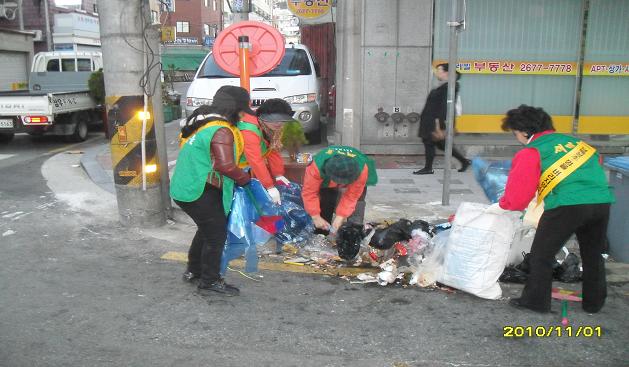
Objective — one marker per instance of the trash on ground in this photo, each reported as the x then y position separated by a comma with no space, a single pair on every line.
567,270
8,233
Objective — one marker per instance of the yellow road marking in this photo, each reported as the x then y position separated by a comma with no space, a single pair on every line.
281,267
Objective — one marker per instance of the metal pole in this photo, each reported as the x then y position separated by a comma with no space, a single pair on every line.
454,33
48,33
136,166
158,113
20,15
243,57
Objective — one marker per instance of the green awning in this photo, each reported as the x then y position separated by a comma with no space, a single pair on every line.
183,59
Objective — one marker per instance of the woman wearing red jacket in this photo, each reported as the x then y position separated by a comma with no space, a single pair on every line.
262,137
566,174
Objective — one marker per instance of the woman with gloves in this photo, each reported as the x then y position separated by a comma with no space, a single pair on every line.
203,182
566,174
262,136
337,174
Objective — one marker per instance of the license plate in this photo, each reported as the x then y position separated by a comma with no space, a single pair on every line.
6,124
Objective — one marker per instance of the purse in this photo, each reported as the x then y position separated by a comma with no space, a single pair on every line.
438,134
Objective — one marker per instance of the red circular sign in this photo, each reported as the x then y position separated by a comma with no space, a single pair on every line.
267,47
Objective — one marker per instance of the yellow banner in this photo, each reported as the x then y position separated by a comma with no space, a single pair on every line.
606,69
502,67
561,169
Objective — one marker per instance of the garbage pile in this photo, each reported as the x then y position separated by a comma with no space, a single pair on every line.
565,270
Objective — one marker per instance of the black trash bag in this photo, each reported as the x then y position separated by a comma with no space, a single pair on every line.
569,271
348,240
423,226
512,274
385,238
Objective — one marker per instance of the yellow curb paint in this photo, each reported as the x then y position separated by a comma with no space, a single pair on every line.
281,267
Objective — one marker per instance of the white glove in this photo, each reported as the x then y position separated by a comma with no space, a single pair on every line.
283,180
495,209
275,195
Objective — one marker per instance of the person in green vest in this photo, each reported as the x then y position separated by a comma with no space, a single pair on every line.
337,174
566,174
203,183
262,135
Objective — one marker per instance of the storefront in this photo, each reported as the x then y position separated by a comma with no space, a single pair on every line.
570,57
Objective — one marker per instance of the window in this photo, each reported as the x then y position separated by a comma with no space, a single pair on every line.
183,27
214,5
84,64
294,62
206,29
154,17
206,3
95,9
53,65
68,65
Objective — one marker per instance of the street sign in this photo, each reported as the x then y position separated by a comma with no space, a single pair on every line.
168,34
266,51
310,9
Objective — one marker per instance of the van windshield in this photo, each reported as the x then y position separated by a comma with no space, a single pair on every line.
294,62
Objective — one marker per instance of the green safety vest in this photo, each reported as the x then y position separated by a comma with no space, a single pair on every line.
194,168
586,185
247,126
320,158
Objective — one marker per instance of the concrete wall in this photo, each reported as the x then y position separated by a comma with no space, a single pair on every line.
397,38
395,53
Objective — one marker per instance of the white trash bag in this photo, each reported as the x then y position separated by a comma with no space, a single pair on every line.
477,250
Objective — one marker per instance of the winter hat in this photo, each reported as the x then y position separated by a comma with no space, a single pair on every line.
341,169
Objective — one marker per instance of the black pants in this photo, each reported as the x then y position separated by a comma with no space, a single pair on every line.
329,198
589,222
206,251
430,145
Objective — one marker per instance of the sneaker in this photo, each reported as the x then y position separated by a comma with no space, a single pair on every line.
218,286
424,171
465,165
190,277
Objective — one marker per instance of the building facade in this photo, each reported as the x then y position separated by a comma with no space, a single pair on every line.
192,22
77,25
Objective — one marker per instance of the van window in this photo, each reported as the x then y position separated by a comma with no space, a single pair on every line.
53,65
67,65
294,62
84,64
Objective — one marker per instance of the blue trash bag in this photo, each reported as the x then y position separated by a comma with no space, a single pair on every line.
243,235
491,176
298,225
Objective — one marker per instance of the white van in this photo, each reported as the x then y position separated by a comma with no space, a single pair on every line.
294,80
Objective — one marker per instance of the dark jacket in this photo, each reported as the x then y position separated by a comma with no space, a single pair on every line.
222,151
436,107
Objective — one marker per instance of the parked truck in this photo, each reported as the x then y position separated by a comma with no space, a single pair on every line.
57,100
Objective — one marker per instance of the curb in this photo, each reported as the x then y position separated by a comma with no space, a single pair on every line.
94,170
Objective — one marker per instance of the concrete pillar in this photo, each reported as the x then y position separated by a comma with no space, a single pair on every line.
140,201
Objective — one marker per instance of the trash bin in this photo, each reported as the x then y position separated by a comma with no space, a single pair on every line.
618,230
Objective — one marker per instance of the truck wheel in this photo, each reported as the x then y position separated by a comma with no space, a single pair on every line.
80,130
5,138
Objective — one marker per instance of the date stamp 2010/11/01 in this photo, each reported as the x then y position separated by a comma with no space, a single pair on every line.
552,331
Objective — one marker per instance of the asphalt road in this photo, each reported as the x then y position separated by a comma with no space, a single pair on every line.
78,289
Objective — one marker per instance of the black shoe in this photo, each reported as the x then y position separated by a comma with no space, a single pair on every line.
517,303
465,165
424,171
218,286
190,277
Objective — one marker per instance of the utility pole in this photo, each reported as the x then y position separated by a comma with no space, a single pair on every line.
131,82
454,25
48,32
